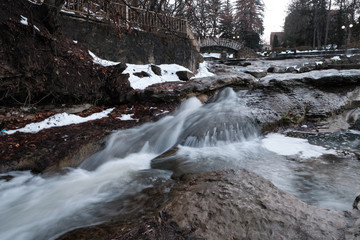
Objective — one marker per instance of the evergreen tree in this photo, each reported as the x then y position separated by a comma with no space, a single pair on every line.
249,21
214,12
275,42
305,23
227,28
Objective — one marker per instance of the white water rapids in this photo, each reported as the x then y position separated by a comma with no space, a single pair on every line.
219,135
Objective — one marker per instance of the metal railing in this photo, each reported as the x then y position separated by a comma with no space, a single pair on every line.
125,15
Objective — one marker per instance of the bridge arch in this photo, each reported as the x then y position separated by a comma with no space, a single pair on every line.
222,43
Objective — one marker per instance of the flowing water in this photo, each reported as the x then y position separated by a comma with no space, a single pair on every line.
219,135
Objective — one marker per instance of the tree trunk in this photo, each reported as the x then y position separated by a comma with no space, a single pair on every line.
327,24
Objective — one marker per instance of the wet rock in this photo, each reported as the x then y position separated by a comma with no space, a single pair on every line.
141,74
233,204
156,70
184,75
276,69
356,125
242,205
257,73
119,68
270,69
291,70
176,91
279,70
304,69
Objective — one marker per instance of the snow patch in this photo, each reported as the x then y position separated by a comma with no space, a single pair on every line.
203,71
127,117
68,12
288,146
36,28
336,58
213,55
24,20
102,62
34,2
168,72
59,120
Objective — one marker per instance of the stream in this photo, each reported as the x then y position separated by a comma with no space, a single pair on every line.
219,135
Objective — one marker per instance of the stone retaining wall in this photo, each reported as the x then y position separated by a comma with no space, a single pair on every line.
136,47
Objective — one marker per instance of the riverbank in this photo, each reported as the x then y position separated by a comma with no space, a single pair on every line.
66,146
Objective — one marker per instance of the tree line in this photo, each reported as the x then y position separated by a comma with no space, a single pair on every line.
241,20
318,23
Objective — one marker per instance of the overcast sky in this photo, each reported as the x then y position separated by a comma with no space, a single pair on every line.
275,13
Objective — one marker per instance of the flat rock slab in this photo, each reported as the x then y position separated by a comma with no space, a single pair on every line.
233,204
325,76
177,91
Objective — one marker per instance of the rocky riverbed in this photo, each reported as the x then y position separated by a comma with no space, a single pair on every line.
204,205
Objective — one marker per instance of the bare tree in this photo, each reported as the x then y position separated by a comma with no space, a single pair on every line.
327,24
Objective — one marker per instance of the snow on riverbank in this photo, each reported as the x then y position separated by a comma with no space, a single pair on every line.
168,72
59,120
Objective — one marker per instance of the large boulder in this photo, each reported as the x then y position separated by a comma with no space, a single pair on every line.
233,204
184,75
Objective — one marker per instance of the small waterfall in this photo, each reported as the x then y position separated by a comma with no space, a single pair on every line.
195,138
222,121
38,207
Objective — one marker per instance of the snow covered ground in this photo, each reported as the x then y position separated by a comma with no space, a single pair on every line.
168,72
59,120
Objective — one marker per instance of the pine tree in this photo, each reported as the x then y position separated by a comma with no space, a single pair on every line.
275,42
227,28
249,21
214,17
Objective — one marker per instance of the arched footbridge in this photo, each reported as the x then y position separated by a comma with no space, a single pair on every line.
220,43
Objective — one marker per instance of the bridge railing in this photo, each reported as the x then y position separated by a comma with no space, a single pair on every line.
222,42
125,15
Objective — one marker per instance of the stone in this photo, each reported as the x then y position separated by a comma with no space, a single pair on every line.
119,68
270,69
304,69
141,74
356,125
184,75
231,204
291,70
256,73
279,70
156,70
239,204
